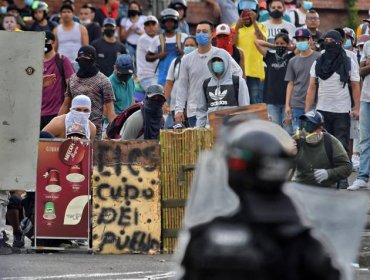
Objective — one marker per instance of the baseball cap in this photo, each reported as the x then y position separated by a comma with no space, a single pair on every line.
363,39
151,19
155,90
302,33
223,29
76,128
87,51
109,21
314,117
124,64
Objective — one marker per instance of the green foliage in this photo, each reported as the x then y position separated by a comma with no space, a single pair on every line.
353,18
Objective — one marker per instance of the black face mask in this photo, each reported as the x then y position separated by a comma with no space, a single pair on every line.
332,47
132,13
276,14
280,51
87,68
124,77
152,114
109,32
48,48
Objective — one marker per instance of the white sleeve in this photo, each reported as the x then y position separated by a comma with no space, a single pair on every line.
154,45
355,75
202,110
313,70
243,95
183,86
171,71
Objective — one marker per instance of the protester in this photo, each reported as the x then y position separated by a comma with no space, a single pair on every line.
146,70
132,27
167,46
277,22
298,15
247,31
87,14
298,77
276,61
123,83
181,7
70,35
222,90
239,222
313,24
57,71
364,168
9,23
40,12
321,159
146,122
225,40
108,47
350,37
364,27
170,89
75,123
91,82
193,71
108,9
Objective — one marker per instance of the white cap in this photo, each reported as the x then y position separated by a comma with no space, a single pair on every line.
151,18
223,29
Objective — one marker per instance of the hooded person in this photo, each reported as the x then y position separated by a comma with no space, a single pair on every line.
222,90
250,228
86,60
75,123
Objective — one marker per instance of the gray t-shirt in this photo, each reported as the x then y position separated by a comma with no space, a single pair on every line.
133,126
298,71
274,29
365,93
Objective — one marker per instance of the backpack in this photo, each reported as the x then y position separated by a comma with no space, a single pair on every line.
59,58
235,86
296,19
114,128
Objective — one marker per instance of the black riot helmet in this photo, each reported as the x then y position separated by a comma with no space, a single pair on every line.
259,156
167,14
174,4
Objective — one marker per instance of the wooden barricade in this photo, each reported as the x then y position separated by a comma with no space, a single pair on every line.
179,153
126,214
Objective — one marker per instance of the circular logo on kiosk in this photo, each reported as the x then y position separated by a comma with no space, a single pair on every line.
72,152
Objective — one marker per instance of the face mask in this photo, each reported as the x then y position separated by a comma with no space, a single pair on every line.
109,32
302,46
28,2
85,22
332,47
348,44
3,10
48,48
202,39
188,50
85,63
280,51
123,77
218,67
276,14
313,138
132,13
263,13
307,5
79,117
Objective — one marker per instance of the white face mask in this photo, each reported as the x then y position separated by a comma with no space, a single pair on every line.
79,117
85,21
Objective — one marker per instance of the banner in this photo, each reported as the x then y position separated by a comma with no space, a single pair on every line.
63,190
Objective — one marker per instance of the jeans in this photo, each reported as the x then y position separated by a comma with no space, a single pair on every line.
192,121
296,113
338,124
169,121
276,114
254,88
364,170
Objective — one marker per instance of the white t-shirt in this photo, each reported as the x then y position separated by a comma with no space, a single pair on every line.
133,37
365,93
145,69
173,75
332,97
169,40
274,29
301,17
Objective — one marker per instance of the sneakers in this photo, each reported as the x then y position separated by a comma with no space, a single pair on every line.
18,241
357,184
5,248
355,162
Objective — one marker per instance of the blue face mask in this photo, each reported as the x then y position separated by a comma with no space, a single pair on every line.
188,50
218,67
307,5
263,13
202,39
28,2
302,46
348,44
3,10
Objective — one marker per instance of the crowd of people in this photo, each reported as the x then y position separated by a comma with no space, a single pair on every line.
158,73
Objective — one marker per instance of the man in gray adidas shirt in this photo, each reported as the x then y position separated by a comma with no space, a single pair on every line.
194,71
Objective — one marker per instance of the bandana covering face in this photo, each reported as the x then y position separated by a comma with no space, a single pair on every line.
79,118
152,114
225,43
